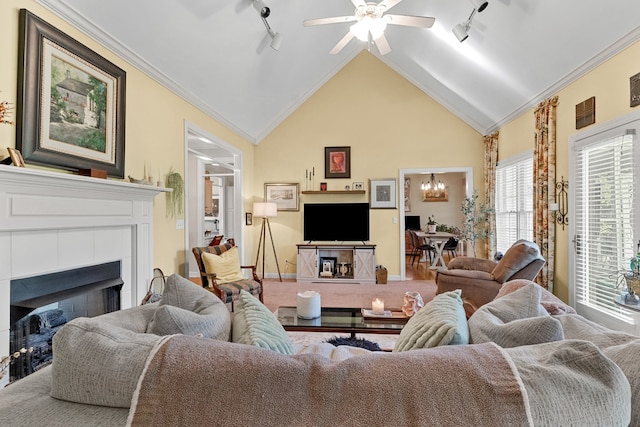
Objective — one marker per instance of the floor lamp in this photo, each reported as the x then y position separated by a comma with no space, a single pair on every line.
266,211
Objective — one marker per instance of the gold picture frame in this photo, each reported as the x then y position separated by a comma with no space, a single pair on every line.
16,157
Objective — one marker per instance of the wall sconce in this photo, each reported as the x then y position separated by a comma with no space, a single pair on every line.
562,207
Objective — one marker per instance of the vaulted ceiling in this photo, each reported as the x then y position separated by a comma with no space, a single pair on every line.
216,53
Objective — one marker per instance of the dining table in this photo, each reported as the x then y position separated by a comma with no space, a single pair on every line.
437,240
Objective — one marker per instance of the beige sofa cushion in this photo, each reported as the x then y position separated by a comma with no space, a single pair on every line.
518,256
514,320
98,363
186,308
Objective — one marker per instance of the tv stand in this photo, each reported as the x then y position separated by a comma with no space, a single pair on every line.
331,263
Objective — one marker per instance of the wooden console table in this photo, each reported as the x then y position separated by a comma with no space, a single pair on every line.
323,263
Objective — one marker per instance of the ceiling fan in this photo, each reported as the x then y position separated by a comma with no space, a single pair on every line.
370,22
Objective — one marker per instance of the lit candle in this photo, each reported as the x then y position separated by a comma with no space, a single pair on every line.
377,306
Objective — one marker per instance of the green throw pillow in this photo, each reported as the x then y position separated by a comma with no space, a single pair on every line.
442,321
254,324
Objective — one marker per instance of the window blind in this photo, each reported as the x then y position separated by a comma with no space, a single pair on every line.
604,221
514,202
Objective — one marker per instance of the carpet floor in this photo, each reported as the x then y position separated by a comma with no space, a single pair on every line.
345,295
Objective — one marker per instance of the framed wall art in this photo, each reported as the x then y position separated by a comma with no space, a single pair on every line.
337,162
71,102
286,196
248,218
383,194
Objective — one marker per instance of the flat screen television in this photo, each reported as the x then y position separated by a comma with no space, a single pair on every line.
412,222
331,222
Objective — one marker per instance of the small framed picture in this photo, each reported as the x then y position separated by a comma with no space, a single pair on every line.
323,186
358,185
248,218
337,162
16,157
328,264
284,195
383,194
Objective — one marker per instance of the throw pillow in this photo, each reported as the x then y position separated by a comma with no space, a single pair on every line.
210,323
98,363
442,321
186,308
226,266
549,301
254,324
519,255
514,320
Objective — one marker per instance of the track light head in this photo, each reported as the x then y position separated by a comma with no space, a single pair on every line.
480,5
276,41
460,32
262,9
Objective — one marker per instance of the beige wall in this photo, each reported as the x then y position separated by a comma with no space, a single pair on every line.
154,124
389,125
609,83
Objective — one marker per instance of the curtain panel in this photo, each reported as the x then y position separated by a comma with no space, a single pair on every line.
544,179
490,164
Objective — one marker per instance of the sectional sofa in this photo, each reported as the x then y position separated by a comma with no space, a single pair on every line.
522,359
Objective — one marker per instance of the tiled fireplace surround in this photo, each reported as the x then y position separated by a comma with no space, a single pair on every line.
52,221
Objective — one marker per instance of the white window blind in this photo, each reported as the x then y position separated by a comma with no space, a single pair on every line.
514,201
604,220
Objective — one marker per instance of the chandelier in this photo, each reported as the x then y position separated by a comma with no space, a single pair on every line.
433,191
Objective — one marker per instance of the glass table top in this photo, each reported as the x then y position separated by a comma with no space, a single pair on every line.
338,320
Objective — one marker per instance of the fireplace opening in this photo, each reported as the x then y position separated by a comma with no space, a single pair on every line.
41,305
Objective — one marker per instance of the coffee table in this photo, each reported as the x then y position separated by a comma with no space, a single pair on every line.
339,320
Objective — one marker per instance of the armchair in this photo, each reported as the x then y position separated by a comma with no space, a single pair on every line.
220,271
481,279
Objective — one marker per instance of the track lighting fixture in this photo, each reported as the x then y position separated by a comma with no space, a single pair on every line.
264,11
461,31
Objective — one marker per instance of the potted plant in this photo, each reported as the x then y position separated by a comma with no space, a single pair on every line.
175,198
431,224
475,225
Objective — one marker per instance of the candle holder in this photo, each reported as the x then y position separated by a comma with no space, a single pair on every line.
377,306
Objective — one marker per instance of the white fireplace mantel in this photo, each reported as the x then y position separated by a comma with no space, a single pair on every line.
52,221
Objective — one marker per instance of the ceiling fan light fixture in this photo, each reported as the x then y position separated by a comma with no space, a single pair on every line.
361,29
377,27
460,32
480,5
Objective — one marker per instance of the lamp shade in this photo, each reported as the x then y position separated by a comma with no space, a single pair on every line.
265,210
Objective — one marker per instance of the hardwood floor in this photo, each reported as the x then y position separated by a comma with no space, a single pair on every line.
421,270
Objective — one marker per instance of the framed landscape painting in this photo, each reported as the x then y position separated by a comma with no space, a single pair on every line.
71,102
283,195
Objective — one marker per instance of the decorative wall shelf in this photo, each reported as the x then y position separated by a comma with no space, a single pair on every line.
334,192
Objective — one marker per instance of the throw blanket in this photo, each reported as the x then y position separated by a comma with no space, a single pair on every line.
196,381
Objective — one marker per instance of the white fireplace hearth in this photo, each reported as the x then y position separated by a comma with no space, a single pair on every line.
51,222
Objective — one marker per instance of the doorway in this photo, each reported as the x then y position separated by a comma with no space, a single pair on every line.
459,184
213,192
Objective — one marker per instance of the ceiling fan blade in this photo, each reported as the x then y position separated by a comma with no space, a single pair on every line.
410,21
388,4
358,3
383,45
332,20
342,43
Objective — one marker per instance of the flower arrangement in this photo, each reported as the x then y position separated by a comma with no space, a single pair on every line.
7,360
5,109
431,220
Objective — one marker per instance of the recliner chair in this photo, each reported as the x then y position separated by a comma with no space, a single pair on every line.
481,279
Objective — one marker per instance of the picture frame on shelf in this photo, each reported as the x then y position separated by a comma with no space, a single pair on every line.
16,157
337,162
358,186
286,196
383,194
328,264
71,103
